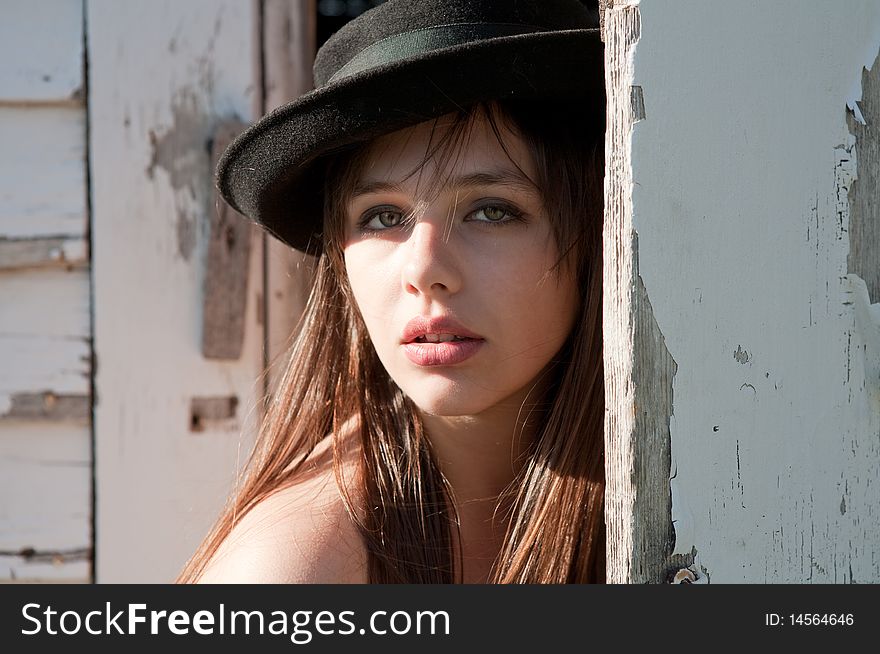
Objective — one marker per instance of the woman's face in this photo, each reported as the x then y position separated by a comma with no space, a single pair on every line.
470,261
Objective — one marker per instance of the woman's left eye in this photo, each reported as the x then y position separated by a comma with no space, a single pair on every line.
494,213
381,218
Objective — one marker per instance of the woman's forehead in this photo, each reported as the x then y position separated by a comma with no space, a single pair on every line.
446,148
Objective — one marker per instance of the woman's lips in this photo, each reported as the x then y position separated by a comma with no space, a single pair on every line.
420,326
447,353
439,341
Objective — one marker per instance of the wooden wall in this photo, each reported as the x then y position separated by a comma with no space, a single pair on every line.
45,323
171,426
131,359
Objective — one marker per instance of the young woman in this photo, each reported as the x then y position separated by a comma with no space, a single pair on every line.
441,416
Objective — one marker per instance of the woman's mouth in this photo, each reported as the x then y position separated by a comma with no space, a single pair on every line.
440,338
441,349
439,341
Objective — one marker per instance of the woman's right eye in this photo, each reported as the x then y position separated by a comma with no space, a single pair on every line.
380,218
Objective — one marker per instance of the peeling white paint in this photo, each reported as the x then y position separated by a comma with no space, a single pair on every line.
151,118
740,177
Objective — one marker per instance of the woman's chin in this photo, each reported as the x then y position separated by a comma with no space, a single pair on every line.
455,396
449,404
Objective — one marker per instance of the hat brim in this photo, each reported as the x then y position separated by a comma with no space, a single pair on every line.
272,174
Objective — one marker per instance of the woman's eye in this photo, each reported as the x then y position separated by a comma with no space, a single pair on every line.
381,219
493,214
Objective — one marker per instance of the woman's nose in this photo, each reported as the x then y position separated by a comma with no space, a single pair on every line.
430,265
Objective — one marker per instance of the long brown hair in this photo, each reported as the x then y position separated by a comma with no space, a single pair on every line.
555,506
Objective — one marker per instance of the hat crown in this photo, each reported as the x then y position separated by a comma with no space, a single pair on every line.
398,17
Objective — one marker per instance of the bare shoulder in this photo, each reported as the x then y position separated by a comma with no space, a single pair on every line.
301,533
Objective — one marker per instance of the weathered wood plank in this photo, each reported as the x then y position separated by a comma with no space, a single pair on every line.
64,567
42,253
41,51
638,368
151,121
43,363
38,303
288,51
47,406
228,261
207,410
42,172
44,337
864,210
45,487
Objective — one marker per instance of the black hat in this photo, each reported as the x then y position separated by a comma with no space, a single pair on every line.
397,65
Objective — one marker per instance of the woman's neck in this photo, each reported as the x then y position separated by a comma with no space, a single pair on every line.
480,455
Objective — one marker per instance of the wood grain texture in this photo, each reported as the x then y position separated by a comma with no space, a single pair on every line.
227,265
638,368
289,46
43,253
42,172
864,209
45,406
41,45
152,119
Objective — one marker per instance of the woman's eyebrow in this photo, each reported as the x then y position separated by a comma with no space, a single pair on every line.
365,188
502,177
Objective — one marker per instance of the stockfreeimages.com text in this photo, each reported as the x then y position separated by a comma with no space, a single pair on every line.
301,626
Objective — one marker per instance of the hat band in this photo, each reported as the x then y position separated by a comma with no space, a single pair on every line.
421,41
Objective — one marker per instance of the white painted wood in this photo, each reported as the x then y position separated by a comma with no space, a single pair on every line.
44,333
45,462
43,253
40,50
740,171
22,570
160,485
42,172
47,363
45,486
50,303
